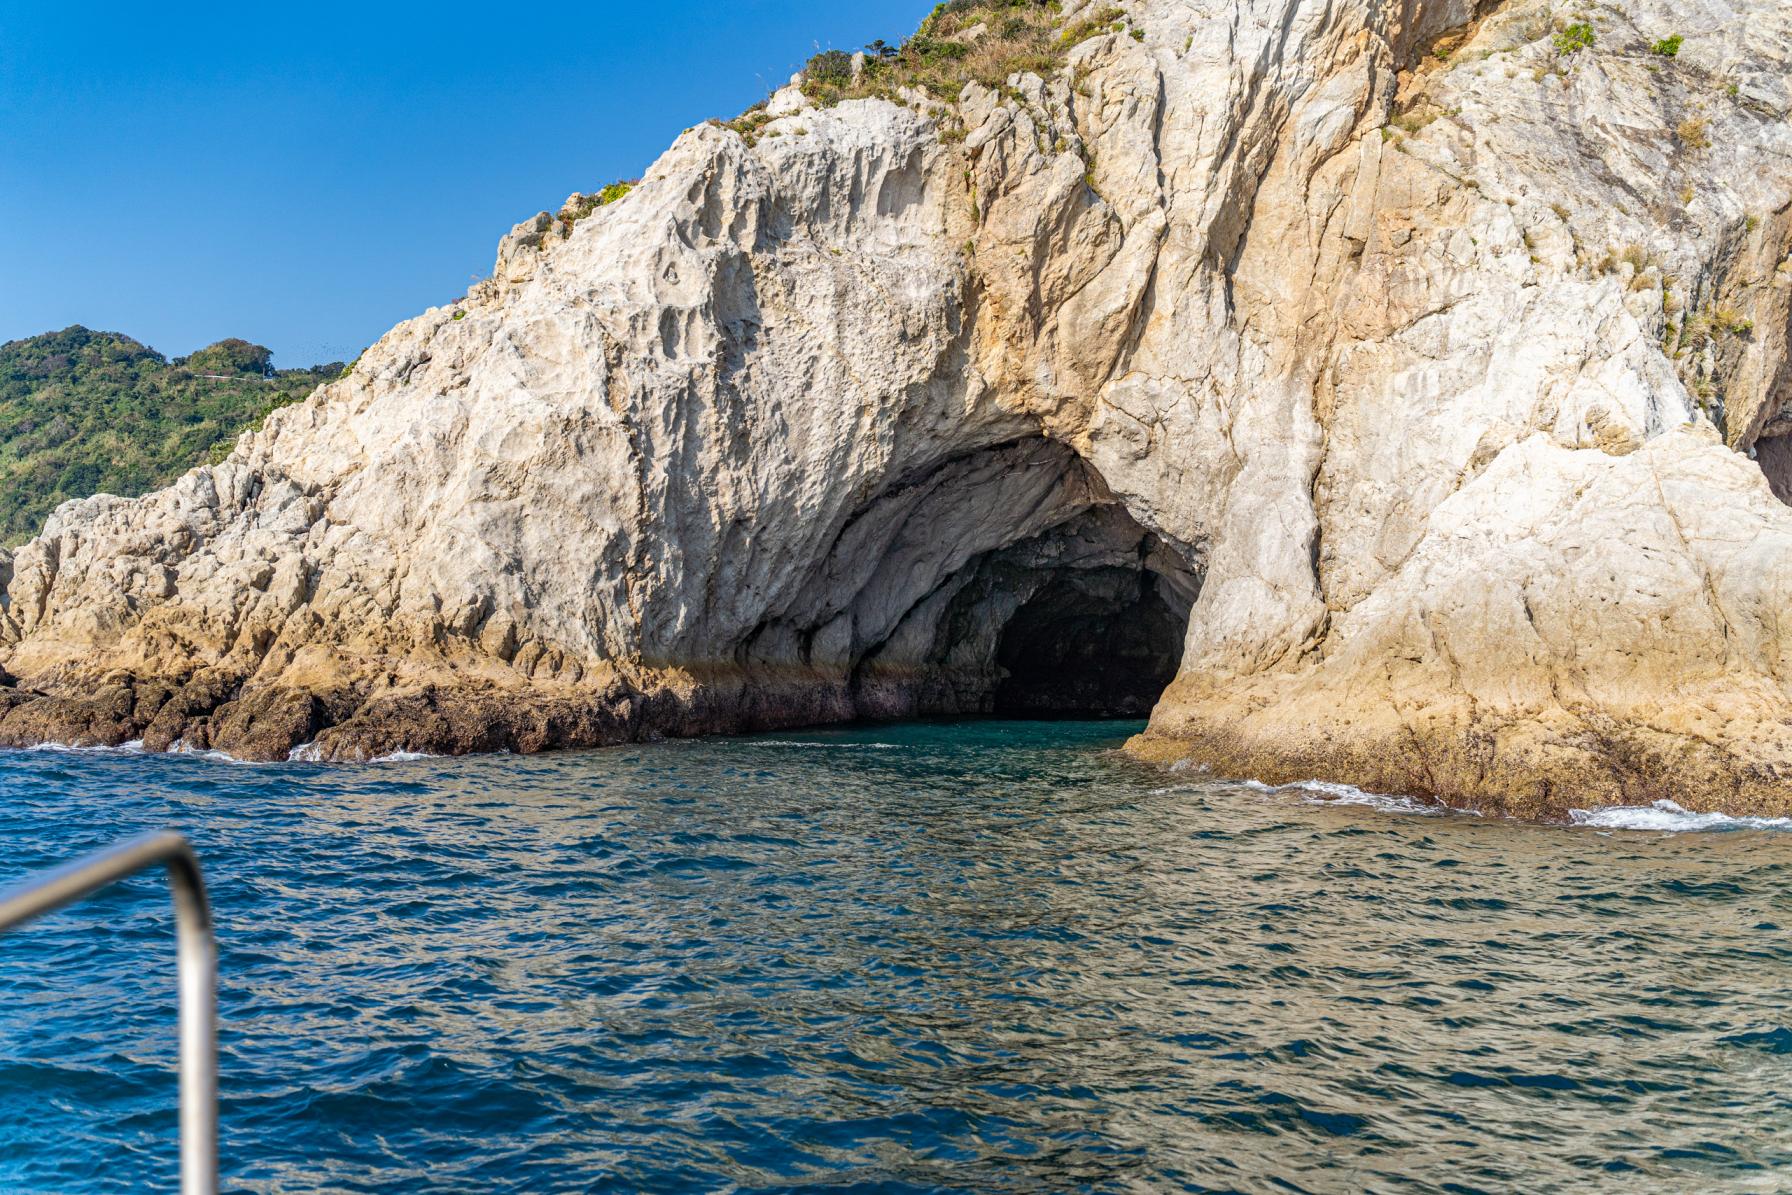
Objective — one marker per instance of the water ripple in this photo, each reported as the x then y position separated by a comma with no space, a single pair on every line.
989,957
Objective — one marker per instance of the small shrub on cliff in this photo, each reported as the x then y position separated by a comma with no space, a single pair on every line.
1693,132
1573,38
830,67
1668,47
748,123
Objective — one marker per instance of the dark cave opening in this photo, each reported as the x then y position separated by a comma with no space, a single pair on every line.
1097,643
1774,455
1062,609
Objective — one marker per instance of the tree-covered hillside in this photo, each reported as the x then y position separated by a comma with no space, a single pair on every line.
84,412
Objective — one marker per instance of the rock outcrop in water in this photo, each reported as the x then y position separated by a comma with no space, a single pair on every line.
1409,380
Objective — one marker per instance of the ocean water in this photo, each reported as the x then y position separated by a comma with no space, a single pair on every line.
986,957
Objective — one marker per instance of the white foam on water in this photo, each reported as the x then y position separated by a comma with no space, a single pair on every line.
310,753
180,747
1325,792
822,745
134,747
1670,817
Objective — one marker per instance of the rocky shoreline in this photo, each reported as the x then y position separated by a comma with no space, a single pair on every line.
459,717
1411,384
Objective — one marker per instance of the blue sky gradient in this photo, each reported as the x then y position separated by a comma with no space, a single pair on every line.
307,175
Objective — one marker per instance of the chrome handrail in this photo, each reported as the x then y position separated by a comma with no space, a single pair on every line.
198,951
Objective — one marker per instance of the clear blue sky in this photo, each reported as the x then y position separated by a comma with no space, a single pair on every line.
305,175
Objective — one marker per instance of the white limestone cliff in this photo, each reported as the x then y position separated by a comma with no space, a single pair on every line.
1436,376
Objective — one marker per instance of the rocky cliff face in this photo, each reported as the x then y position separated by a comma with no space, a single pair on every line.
1409,379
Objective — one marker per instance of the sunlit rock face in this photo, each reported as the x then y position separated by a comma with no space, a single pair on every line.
1410,381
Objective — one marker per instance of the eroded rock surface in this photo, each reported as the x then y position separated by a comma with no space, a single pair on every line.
1436,376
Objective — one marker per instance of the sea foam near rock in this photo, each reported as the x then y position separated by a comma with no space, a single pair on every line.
1670,817
134,747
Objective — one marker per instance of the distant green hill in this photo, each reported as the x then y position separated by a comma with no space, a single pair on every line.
84,412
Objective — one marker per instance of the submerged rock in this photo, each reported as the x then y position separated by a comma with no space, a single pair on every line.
1429,364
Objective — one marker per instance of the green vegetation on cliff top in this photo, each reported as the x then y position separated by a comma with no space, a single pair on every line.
960,42
84,412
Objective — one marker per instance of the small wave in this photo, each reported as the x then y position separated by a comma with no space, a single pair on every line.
1668,816
134,747
181,747
1325,792
824,745
311,753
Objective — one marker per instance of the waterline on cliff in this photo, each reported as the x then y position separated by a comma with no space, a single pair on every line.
1663,816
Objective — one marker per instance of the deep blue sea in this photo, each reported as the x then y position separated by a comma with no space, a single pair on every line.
984,957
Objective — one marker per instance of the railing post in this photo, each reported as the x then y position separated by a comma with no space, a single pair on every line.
198,960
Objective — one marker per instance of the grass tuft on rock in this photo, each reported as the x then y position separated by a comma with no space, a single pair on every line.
577,207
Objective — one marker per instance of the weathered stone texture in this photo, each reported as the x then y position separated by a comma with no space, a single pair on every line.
1425,369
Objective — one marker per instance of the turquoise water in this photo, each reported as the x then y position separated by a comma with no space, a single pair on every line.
985,957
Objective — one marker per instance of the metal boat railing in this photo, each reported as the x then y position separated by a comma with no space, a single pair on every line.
198,953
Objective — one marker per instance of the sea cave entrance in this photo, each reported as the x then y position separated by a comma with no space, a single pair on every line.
1013,583
1101,643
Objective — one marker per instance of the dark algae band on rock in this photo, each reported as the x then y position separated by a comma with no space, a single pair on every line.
1404,382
